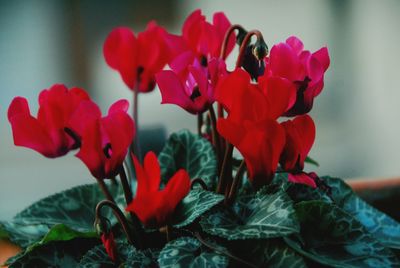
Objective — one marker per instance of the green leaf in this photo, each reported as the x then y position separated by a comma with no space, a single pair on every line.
189,252
54,254
311,161
300,192
274,253
74,207
128,255
191,152
21,234
380,225
281,181
196,203
261,216
96,257
333,237
3,232
58,232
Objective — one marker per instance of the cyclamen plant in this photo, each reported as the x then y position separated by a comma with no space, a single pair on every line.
196,204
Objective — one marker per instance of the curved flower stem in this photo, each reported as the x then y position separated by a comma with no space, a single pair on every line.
226,39
243,47
206,244
236,183
226,169
215,136
199,123
120,217
136,142
198,181
223,55
105,190
125,185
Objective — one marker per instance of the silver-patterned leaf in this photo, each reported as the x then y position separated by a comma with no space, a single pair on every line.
191,152
128,255
380,225
189,252
274,253
74,207
259,217
196,203
331,236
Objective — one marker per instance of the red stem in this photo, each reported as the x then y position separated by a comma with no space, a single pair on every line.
226,39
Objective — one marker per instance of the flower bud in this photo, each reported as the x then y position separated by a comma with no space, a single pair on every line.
260,49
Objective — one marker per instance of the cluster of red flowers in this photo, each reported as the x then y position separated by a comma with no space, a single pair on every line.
290,80
69,119
293,77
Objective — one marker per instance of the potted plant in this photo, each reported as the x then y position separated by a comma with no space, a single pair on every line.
233,194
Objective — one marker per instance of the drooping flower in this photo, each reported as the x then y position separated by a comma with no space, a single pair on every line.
189,84
260,143
104,140
46,134
109,244
251,123
205,39
300,136
303,68
151,205
137,59
242,99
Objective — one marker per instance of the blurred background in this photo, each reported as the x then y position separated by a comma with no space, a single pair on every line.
43,42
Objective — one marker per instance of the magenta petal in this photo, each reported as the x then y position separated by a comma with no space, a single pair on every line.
323,57
222,24
296,44
200,76
175,44
314,69
120,50
181,62
172,90
120,132
284,62
19,105
91,152
27,131
87,112
119,106
302,178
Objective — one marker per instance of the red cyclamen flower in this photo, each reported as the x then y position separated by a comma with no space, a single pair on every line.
306,70
152,205
251,123
105,140
242,99
205,39
189,84
260,143
137,59
300,136
46,134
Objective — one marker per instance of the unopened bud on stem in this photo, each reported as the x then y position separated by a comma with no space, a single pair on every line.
260,49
